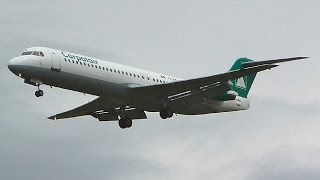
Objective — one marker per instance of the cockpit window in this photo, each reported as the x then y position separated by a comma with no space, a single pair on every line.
37,53
26,53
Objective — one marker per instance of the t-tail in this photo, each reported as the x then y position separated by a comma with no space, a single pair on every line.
243,85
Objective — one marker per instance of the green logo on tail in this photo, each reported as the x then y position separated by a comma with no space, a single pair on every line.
242,85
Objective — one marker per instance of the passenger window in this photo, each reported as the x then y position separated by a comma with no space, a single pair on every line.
102,68
99,67
110,70
41,54
127,73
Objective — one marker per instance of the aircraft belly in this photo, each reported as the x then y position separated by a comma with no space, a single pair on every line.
76,82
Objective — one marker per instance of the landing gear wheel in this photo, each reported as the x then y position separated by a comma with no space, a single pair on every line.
129,122
169,113
122,123
163,113
166,113
39,93
125,123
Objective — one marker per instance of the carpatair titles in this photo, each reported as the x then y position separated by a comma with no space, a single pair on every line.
79,58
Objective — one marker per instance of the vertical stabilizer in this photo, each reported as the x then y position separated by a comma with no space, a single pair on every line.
242,85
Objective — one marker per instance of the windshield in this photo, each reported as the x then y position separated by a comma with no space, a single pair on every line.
26,53
36,53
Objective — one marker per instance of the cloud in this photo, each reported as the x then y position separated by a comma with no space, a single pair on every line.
286,162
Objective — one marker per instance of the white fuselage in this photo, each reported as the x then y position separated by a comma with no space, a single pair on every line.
102,78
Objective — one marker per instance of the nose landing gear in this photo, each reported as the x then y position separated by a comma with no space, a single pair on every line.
37,83
39,93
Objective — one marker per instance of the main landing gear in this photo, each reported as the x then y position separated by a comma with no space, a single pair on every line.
39,93
166,113
125,123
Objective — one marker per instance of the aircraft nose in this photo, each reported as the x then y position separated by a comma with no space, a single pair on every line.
12,64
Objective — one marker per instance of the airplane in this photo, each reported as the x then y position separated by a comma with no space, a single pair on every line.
126,93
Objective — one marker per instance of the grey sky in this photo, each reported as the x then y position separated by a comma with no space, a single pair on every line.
278,138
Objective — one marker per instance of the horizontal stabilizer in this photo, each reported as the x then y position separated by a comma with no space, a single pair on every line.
275,61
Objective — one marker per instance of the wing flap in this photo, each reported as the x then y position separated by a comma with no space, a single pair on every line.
113,115
107,116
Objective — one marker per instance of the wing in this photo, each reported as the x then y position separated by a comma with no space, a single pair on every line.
216,84
105,109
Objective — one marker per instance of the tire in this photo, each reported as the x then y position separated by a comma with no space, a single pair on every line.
40,93
169,113
122,124
129,122
163,113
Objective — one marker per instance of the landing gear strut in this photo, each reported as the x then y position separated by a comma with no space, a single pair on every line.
39,93
125,123
166,113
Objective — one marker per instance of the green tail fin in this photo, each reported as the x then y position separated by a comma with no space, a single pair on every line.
242,85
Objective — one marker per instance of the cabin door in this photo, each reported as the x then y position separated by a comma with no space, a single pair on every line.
56,63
